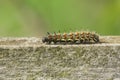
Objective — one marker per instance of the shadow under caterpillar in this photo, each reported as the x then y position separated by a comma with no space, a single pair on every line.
74,38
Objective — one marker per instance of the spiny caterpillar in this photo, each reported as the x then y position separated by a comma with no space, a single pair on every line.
76,37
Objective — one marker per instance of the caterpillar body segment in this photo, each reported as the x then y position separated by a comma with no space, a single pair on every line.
77,37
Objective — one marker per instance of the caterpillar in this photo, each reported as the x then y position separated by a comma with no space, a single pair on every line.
76,37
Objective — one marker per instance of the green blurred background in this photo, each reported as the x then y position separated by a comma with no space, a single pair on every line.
36,17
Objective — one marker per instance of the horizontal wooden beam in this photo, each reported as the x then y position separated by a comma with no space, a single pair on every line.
29,59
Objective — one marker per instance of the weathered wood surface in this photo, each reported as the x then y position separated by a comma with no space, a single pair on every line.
30,59
37,41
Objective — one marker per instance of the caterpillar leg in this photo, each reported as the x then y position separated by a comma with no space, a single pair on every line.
55,41
81,41
49,42
96,40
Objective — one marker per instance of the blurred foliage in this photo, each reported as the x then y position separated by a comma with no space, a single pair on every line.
36,17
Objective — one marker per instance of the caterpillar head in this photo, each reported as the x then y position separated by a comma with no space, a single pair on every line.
48,38
45,39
